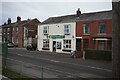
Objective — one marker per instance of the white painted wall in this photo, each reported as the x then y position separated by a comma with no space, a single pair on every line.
57,29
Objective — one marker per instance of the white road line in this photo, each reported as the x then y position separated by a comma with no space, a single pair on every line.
98,68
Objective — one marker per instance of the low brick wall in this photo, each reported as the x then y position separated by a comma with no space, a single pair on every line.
98,54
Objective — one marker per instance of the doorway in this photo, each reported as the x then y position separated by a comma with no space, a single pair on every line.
54,45
78,44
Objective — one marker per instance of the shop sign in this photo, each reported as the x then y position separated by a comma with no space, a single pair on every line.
57,36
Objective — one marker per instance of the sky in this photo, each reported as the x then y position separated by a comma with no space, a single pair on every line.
43,10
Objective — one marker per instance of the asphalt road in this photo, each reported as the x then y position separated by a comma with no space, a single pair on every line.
57,65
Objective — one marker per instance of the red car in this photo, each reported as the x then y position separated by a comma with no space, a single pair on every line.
30,46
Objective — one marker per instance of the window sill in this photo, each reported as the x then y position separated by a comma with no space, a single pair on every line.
86,34
66,50
45,49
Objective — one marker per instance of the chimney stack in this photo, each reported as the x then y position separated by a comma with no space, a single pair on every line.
18,19
78,12
9,20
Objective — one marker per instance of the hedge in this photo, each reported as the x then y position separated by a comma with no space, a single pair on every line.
98,54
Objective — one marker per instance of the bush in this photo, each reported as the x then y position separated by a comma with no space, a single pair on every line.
98,54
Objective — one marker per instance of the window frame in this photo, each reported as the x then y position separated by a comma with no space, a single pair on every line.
101,25
67,29
66,44
86,26
46,42
46,31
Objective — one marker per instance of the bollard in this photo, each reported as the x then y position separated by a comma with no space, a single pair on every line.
83,55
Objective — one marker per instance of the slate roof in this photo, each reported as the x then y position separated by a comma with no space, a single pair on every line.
103,15
16,24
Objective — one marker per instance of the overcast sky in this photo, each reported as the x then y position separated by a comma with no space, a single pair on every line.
44,10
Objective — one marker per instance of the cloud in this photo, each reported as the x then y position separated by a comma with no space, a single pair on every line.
44,10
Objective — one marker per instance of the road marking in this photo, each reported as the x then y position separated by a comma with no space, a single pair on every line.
54,61
98,68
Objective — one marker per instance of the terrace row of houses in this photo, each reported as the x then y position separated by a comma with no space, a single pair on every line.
63,33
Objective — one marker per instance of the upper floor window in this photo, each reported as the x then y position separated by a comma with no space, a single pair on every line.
102,27
45,29
67,29
86,29
8,30
16,29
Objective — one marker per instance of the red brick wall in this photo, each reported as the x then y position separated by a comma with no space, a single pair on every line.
94,29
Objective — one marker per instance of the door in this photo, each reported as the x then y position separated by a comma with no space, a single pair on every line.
78,44
54,45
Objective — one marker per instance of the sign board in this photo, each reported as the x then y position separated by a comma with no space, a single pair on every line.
57,36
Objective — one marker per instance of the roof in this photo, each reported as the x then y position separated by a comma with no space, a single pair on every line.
24,22
103,15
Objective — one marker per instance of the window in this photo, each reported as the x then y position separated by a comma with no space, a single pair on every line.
58,45
86,43
102,27
101,45
86,29
16,39
8,30
67,44
16,29
67,29
45,43
45,30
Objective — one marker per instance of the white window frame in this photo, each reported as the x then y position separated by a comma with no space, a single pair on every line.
46,42
67,29
67,44
45,30
17,30
86,26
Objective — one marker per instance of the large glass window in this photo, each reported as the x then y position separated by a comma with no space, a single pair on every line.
86,29
101,45
67,29
45,43
45,30
102,27
67,44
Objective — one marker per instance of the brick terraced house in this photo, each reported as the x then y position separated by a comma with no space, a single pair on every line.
94,31
20,32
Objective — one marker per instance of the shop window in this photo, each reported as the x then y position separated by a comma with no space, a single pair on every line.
67,29
101,45
102,27
45,43
58,45
45,30
86,29
67,44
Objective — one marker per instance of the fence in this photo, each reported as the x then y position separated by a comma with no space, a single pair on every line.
36,71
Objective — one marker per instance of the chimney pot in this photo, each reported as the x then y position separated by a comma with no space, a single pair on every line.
18,19
78,12
9,20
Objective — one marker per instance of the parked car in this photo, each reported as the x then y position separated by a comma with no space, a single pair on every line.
31,46
10,44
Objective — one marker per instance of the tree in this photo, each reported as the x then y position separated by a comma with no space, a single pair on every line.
116,40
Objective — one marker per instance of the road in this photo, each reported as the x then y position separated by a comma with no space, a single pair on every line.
55,65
